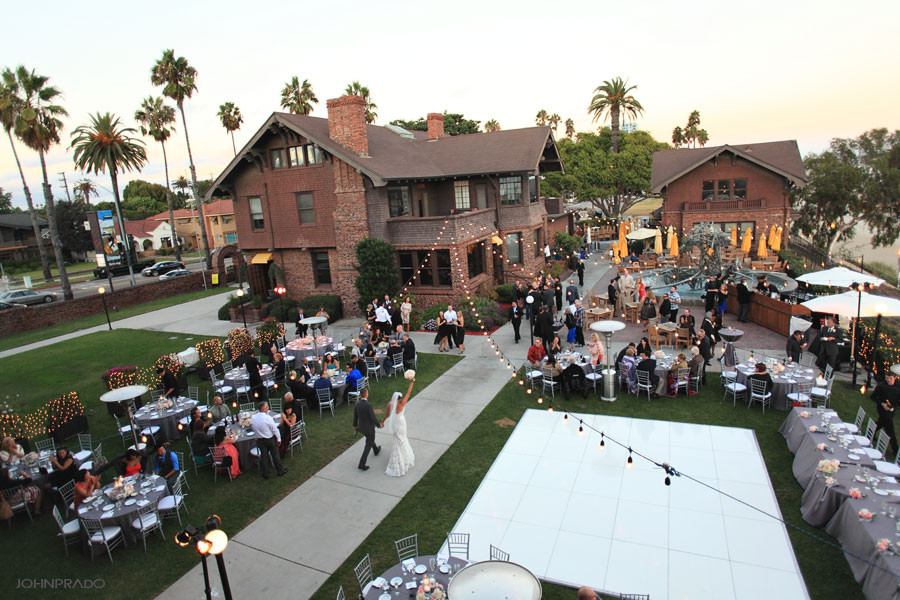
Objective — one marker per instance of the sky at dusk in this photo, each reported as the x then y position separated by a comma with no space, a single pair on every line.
757,72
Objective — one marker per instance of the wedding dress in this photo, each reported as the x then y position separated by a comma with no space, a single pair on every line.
402,457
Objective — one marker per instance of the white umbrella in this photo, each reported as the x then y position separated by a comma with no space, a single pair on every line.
642,234
839,277
846,305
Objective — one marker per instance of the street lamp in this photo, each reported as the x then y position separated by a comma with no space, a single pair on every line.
209,539
102,292
240,295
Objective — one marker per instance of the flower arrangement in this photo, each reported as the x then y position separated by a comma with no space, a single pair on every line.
42,420
883,544
118,377
855,493
410,374
240,341
865,514
813,429
830,481
829,466
210,352
268,332
170,362
804,414
821,447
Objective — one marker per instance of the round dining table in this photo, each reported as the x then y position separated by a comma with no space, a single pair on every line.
238,376
167,418
404,579
784,382
338,387
246,437
147,490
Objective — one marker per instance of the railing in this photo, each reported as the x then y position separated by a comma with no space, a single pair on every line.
18,244
717,205
443,229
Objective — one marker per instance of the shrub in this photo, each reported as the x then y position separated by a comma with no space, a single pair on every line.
210,352
377,271
165,252
332,304
268,332
505,292
283,309
431,314
225,311
490,312
239,341
256,302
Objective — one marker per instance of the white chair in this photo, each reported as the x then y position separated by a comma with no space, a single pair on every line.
194,393
364,575
759,394
871,428
96,455
67,491
682,380
728,377
695,381
866,440
218,458
887,468
219,386
151,432
124,432
15,497
643,383
736,390
172,504
397,363
107,536
498,554
407,547
821,395
858,421
46,444
802,396
547,381
181,466
623,375
147,522
595,376
372,367
248,406
297,436
86,447
340,594
276,406
458,545
881,445
323,395
68,531
195,460
256,456
353,395
533,376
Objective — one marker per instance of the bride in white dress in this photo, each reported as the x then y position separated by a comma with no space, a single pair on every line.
402,457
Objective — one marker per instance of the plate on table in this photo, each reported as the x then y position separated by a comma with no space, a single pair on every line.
251,433
106,515
853,457
160,488
396,581
860,479
420,569
445,568
880,491
130,502
384,596
831,438
109,507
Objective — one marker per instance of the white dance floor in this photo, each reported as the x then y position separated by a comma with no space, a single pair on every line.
574,515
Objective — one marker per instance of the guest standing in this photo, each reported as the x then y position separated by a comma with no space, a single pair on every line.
405,312
460,333
515,317
744,297
886,397
675,302
267,439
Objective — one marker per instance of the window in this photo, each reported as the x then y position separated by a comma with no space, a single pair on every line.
532,188
740,189
475,254
226,220
709,188
305,207
426,273
218,239
313,155
510,191
215,220
461,193
278,160
443,267
230,238
256,213
434,269
514,248
408,265
321,268
537,243
398,201
724,190
295,156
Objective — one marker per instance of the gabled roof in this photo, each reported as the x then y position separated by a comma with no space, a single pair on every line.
140,229
210,209
393,157
19,221
781,157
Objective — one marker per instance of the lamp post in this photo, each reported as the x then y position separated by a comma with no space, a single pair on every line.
209,539
102,292
859,288
607,328
530,300
240,295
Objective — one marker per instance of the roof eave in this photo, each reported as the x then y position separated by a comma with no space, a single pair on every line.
789,176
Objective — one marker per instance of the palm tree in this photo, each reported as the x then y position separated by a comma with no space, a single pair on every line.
298,98
181,184
492,126
10,105
541,118
231,118
613,100
106,145
158,121
702,137
570,129
84,189
554,121
37,125
678,137
177,77
360,90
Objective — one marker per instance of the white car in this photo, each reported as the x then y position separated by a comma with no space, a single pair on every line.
27,297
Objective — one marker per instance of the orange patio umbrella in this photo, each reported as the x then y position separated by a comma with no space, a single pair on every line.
761,252
775,242
746,241
771,235
734,235
623,244
673,245
657,243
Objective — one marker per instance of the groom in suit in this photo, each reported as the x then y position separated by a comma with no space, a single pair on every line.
364,421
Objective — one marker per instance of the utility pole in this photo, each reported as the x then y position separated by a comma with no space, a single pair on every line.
66,185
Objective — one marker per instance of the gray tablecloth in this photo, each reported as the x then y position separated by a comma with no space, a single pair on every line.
166,420
397,571
784,383
238,376
246,439
338,388
122,514
299,350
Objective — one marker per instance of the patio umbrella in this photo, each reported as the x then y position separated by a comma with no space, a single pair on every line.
642,234
734,235
775,242
847,303
771,235
746,241
839,277
669,236
623,245
673,247
657,243
761,252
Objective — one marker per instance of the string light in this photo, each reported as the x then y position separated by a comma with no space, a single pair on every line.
630,462
580,428
210,352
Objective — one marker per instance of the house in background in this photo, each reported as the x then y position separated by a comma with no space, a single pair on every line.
220,224
17,241
461,211
747,185
149,234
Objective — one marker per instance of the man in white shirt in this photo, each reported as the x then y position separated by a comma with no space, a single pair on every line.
674,302
450,316
626,290
267,439
547,252
383,320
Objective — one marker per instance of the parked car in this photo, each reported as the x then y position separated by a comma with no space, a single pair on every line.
5,305
162,267
122,268
174,274
27,297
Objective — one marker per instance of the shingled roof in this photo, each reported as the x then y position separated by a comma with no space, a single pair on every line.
781,157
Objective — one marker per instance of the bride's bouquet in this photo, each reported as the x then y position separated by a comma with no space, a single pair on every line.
410,374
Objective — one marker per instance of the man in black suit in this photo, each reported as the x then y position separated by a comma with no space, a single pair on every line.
710,329
515,316
409,352
545,326
687,320
255,380
887,397
711,294
828,349
612,292
364,421
795,346
703,344
744,294
572,293
665,308
580,270
649,364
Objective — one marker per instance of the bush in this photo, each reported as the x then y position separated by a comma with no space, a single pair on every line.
233,302
165,252
431,313
377,271
283,309
505,292
256,302
225,312
332,304
490,312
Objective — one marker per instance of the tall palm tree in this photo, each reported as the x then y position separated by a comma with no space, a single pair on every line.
10,105
554,120
231,118
360,90
37,125
541,118
570,128
702,137
298,98
181,184
678,137
492,126
105,145
158,121
613,100
84,189
177,77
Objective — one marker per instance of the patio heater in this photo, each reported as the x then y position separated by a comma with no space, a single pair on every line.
607,328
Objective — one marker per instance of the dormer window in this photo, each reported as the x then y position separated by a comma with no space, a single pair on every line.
278,158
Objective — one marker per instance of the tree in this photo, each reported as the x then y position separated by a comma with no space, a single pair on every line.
541,117
181,184
570,129
678,137
158,121
230,116
376,260
554,121
70,218
454,124
492,126
691,135
6,206
613,100
298,98
178,78
104,145
355,89
83,190
11,104
855,180
38,125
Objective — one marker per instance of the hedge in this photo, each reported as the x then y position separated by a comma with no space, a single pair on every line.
332,304
490,312
505,292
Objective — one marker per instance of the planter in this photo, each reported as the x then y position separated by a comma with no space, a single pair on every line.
203,370
69,429
253,315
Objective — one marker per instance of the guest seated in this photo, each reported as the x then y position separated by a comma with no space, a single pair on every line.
165,464
622,354
696,364
64,467
323,383
218,410
555,345
225,439
197,417
586,593
130,463
648,364
278,365
680,362
32,494
199,442
353,377
330,365
85,484
686,320
370,351
536,353
643,345
11,453
762,375
288,419
629,361
358,348
554,368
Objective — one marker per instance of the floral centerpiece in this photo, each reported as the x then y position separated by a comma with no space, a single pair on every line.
120,490
164,403
865,514
855,493
430,589
244,419
830,481
883,544
829,466
804,414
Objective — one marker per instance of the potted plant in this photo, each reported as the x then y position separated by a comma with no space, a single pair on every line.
211,355
65,417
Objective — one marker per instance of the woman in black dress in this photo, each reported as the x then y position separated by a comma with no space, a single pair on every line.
643,345
442,332
460,333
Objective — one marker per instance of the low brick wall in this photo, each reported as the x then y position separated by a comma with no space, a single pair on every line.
26,319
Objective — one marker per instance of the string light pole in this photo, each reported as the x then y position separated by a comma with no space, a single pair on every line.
859,288
102,292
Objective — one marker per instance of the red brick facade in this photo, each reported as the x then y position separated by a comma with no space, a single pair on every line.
435,125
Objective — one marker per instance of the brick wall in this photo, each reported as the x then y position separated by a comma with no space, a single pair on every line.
347,122
45,315
350,227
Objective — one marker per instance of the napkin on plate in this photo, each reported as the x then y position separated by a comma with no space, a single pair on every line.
381,582
411,585
143,503
106,515
410,564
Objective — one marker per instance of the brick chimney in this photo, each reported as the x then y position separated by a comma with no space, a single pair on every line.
347,123
435,126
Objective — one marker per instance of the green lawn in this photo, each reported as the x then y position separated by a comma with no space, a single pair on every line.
77,365
71,268
433,506
36,335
